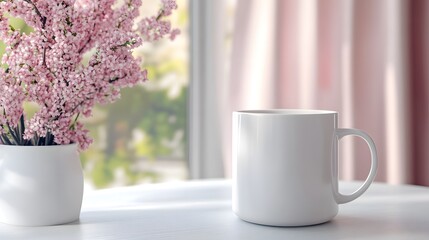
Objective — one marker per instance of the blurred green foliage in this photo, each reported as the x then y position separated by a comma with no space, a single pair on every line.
152,113
148,123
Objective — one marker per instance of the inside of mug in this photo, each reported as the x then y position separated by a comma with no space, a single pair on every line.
288,111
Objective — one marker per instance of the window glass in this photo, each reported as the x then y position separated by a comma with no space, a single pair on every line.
142,137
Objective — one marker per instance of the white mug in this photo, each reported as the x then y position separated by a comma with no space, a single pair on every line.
285,166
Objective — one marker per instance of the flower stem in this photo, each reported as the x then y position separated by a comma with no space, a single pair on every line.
42,18
5,139
161,13
47,138
13,134
43,21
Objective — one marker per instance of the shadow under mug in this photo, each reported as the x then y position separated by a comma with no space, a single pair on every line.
285,166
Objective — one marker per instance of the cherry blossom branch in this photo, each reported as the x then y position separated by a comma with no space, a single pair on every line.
87,99
84,45
161,13
43,20
117,78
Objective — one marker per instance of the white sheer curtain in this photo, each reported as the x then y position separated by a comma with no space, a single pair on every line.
365,59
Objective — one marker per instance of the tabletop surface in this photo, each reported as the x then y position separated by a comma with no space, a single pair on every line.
202,210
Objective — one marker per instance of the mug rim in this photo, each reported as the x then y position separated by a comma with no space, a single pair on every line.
286,112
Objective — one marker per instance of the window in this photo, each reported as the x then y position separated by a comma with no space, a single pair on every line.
142,137
145,136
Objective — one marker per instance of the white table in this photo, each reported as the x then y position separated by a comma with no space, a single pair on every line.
202,210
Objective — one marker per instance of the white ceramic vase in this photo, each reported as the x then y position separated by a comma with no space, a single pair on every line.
40,185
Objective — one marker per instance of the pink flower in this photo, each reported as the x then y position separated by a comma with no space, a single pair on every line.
168,6
45,66
174,33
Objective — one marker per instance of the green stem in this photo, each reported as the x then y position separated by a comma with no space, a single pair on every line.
47,139
72,126
19,130
12,133
5,140
36,140
75,119
22,125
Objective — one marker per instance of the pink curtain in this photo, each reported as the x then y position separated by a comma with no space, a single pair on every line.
366,59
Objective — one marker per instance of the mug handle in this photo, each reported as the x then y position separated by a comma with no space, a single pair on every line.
338,134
